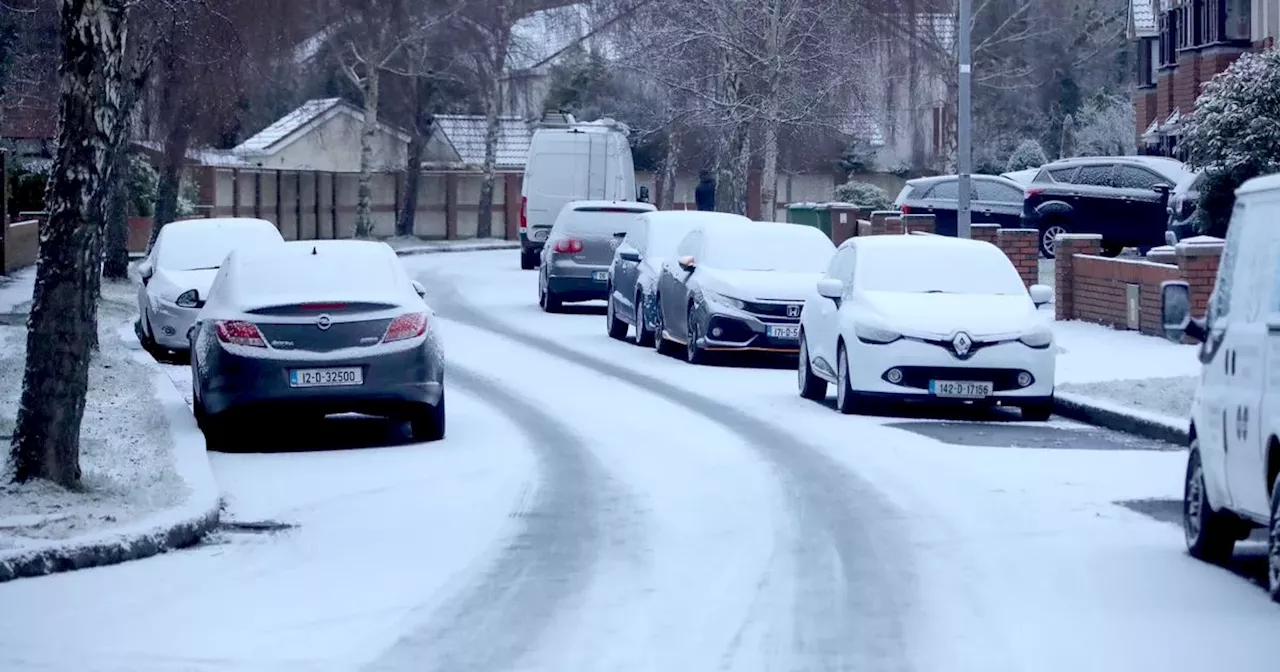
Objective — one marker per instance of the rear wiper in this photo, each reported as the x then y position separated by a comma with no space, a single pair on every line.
202,268
936,291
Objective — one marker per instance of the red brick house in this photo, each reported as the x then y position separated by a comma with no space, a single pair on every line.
1181,44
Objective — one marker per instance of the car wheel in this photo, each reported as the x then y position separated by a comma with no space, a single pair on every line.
1049,232
693,353
644,337
219,431
846,399
428,425
1273,547
1112,250
528,262
660,342
1037,412
617,328
548,300
811,386
1211,535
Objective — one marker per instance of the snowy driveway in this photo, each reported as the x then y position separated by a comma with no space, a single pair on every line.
596,506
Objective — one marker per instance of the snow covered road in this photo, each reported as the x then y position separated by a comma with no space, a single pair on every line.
596,506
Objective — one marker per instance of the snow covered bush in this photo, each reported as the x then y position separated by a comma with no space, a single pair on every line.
1027,155
188,196
1234,133
142,182
863,195
1105,127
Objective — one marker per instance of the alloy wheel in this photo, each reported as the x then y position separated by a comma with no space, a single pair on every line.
658,327
803,364
842,379
1050,237
1273,555
1193,505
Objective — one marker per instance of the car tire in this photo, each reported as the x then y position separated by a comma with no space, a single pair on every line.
1039,412
528,261
617,328
1049,229
1273,544
1112,250
549,301
846,398
693,353
644,337
1210,535
811,386
429,424
660,342
219,432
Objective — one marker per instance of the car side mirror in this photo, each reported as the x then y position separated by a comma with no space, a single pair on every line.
422,291
688,263
831,288
1041,294
627,253
1175,312
1164,189
145,271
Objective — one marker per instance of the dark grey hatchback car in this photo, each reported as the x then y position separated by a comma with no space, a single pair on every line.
315,328
579,250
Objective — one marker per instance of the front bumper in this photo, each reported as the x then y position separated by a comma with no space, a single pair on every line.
170,324
395,382
921,362
724,328
571,281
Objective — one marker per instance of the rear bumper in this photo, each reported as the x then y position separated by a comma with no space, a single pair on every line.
571,281
394,383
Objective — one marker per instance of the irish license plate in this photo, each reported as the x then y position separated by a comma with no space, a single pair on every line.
791,332
601,276
960,389
351,375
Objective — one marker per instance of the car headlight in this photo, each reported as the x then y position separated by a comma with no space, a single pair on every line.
716,297
1039,337
188,299
877,335
540,235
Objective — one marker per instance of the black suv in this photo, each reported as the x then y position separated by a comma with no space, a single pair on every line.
1124,198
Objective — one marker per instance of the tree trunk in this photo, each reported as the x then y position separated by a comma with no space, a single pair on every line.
368,135
769,171
670,173
116,253
169,183
46,442
413,171
492,107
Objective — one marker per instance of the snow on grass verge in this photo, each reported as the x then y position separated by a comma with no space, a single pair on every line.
146,483
1168,396
15,290
408,245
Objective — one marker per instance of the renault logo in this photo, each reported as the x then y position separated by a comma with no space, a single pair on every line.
793,310
961,342
324,322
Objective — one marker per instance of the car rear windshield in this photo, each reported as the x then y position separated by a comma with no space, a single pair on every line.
192,248
601,220
306,276
789,248
938,269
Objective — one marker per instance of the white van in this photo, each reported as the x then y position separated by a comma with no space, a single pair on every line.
571,161
1233,472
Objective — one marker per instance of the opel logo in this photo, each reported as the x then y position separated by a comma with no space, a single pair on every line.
324,322
793,310
962,342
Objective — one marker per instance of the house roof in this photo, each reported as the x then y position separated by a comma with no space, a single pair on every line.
297,123
466,134
1142,19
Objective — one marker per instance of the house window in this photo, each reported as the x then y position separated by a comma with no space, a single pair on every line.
1148,61
1237,21
1169,37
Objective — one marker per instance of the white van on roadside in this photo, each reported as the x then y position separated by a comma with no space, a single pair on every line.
1233,471
569,161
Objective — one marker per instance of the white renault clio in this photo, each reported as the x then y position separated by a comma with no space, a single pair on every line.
1233,469
927,318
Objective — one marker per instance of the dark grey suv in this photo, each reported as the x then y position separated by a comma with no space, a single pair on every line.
579,251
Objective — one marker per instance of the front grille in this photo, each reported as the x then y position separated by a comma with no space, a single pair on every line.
789,312
918,377
946,344
312,338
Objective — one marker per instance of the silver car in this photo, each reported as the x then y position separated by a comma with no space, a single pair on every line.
579,251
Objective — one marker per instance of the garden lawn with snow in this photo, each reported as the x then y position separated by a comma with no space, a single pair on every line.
126,448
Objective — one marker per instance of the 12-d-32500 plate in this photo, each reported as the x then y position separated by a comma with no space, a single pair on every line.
334,377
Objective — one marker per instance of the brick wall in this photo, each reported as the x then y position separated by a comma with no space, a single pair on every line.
917,224
987,232
1164,95
1020,245
885,222
1095,288
1186,81
1144,110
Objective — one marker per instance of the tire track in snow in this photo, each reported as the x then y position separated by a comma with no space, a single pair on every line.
545,567
855,591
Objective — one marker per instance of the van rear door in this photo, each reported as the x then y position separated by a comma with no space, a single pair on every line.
556,174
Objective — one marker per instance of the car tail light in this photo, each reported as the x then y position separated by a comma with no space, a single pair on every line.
568,246
1035,192
409,325
524,213
906,209
237,332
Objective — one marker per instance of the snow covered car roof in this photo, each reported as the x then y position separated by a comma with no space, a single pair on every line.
344,271
1173,169
1257,184
203,243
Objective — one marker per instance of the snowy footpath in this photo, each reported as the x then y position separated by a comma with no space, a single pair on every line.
146,484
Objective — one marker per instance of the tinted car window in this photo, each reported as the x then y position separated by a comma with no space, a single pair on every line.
1096,176
1056,174
987,190
949,190
1132,177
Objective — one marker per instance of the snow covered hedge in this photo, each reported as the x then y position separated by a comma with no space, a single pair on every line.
863,195
1234,133
1027,155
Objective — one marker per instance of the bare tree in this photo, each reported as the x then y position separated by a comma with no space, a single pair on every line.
490,25
46,442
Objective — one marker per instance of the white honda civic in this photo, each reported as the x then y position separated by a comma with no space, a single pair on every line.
927,318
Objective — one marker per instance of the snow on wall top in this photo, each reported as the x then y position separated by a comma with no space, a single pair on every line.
466,134
287,125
